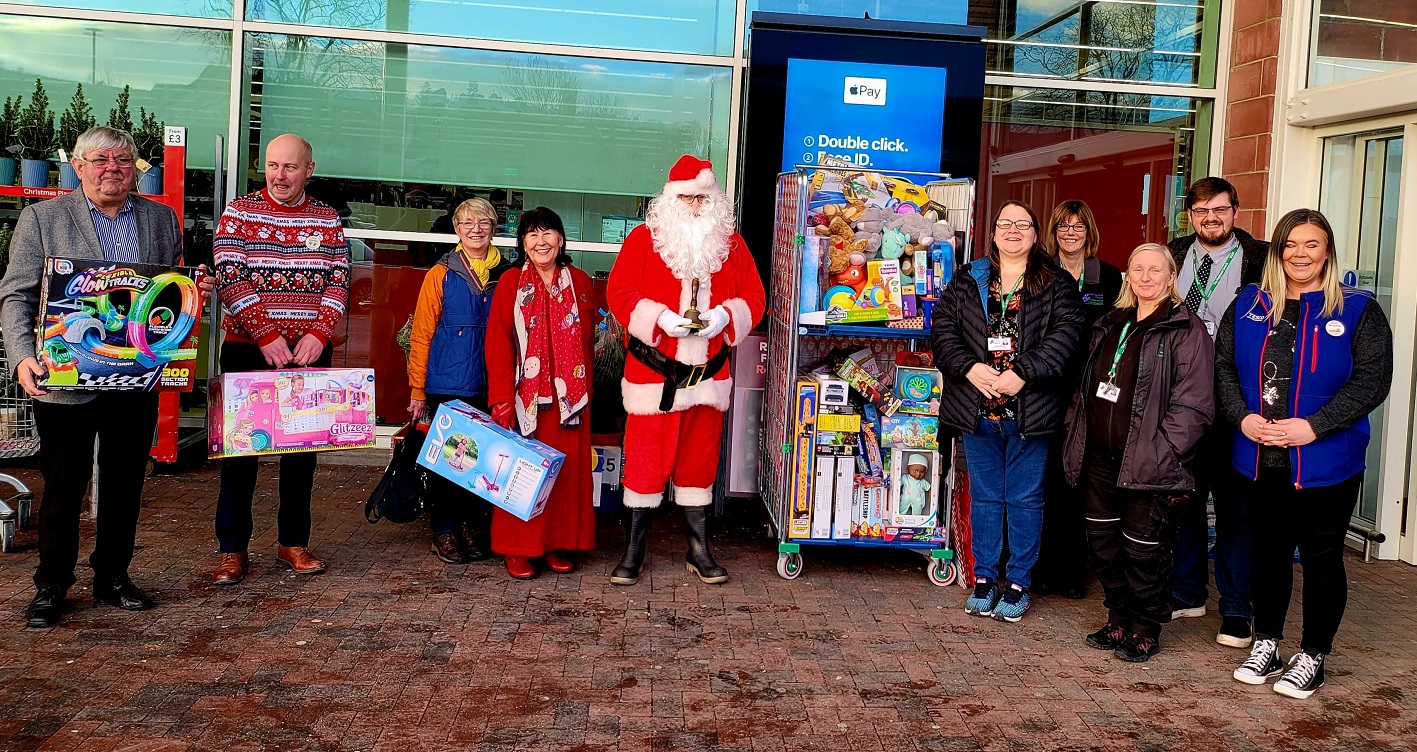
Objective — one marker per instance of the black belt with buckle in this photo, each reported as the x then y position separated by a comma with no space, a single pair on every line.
676,375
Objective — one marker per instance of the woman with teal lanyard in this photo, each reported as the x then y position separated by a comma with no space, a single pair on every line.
1071,239
1143,404
1003,345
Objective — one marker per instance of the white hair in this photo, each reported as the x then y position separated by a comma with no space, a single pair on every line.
693,246
103,137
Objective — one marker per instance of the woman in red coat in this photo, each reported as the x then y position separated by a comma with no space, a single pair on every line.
540,356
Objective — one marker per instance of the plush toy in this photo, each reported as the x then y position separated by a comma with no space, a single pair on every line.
893,242
854,275
868,225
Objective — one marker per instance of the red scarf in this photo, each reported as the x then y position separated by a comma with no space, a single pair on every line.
552,368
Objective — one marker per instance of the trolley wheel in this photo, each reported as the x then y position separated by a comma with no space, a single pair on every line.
7,535
942,572
789,566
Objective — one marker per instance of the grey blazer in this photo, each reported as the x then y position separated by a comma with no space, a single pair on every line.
62,227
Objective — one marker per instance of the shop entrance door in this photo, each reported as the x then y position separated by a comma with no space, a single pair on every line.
1360,193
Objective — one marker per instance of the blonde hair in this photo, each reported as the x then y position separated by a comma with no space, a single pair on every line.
1275,282
1127,298
1061,212
475,207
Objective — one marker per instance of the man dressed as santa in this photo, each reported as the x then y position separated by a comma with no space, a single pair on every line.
677,383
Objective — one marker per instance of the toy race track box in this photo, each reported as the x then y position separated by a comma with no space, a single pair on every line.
804,460
514,472
118,327
297,410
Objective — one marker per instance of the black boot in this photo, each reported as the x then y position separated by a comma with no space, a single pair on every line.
628,573
698,559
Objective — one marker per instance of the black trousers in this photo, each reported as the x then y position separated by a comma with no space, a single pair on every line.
124,424
1062,556
238,474
449,504
1314,520
1129,537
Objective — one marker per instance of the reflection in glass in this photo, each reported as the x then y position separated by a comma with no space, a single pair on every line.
686,26
197,8
1126,155
1356,38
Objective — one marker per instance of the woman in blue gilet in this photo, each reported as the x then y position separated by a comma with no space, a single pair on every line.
1300,362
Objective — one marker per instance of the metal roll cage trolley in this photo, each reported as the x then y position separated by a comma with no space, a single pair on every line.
793,346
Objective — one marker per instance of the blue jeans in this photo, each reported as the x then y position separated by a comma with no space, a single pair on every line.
1005,487
1190,579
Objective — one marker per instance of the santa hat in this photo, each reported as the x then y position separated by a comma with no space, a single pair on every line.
690,176
917,459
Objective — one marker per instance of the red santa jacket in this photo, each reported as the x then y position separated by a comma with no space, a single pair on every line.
641,287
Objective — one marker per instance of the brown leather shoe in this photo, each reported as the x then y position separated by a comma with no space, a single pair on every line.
446,548
230,569
299,559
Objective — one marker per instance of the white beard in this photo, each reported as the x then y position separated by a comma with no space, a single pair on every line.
693,247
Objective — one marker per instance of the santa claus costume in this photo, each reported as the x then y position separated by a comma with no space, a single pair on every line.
677,384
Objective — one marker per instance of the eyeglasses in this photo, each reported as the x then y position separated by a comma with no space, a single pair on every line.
695,199
1079,227
469,226
103,163
1018,224
1218,211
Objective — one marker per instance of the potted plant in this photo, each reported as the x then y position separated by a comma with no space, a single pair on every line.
9,121
72,124
149,138
36,136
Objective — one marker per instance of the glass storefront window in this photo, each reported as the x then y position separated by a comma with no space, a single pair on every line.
195,8
1128,156
686,26
1356,38
927,11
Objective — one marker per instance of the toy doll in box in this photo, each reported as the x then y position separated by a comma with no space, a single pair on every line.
915,478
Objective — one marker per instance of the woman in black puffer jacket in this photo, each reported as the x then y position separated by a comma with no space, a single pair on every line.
1003,344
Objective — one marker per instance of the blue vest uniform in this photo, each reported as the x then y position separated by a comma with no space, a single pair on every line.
1323,363
457,363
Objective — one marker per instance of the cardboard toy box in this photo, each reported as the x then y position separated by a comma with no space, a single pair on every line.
118,327
299,410
804,460
917,431
914,502
514,472
918,390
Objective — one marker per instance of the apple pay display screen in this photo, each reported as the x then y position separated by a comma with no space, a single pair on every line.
872,116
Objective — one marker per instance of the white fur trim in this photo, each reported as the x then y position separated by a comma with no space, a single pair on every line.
705,182
637,500
741,319
686,496
644,321
643,399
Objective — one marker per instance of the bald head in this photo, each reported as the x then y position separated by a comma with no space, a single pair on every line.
289,164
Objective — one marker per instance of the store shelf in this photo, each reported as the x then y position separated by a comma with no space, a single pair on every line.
860,331
856,543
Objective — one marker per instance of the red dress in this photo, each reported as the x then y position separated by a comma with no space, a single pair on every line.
568,522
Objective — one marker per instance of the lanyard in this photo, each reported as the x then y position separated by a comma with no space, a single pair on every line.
1004,309
1081,277
1121,348
1215,280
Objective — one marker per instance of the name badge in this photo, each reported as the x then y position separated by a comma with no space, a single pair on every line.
1107,391
1001,344
1093,298
1210,328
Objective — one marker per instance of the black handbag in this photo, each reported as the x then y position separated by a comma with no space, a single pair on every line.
399,497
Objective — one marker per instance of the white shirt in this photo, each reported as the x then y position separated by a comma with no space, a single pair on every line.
1224,282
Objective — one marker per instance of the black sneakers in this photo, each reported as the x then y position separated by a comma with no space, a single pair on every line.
1108,637
1303,677
1235,632
1137,649
1263,664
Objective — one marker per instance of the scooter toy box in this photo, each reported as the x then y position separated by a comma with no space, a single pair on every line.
298,410
514,472
107,326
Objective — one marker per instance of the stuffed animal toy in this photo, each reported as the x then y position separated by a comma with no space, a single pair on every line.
893,242
843,238
868,225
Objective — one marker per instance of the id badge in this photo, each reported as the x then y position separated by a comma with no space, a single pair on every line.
1109,392
1210,328
1000,344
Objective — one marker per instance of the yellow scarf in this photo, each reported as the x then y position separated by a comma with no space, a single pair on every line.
482,267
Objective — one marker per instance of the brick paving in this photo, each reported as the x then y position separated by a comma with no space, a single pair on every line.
392,650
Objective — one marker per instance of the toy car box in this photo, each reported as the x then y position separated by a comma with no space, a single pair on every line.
512,471
108,326
281,412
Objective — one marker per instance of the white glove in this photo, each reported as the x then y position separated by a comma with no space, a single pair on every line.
673,324
715,321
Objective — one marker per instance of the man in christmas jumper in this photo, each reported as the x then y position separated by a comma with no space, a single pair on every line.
282,268
676,385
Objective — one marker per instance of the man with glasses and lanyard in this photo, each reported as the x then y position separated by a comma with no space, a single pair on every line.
1216,262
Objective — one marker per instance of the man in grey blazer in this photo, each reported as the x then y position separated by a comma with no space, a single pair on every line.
102,220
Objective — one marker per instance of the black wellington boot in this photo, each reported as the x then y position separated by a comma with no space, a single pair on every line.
628,573
698,559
